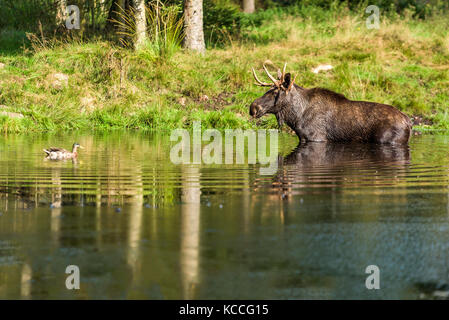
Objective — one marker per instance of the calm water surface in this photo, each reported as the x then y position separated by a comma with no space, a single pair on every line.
140,227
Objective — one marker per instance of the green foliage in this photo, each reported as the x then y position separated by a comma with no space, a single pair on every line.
12,41
25,14
221,21
418,8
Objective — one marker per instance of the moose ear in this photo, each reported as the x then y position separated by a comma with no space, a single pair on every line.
287,80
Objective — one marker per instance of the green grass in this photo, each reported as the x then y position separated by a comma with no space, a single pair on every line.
404,63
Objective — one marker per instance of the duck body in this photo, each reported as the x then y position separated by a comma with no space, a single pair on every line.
62,154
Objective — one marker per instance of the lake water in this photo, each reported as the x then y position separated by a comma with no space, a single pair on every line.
140,227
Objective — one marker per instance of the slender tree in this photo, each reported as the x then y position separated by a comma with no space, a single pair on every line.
248,6
141,25
61,14
193,22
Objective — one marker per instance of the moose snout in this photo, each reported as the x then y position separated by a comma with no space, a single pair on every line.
254,108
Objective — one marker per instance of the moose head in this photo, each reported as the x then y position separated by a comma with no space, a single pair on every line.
277,97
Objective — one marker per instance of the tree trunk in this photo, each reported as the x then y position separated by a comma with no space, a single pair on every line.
61,14
141,23
193,22
248,6
190,231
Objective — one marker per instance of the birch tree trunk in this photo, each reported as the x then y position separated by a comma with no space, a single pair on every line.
141,23
190,231
193,22
61,14
248,6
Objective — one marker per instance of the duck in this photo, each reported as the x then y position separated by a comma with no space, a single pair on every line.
62,154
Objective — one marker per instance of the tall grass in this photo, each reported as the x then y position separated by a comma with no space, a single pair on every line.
164,29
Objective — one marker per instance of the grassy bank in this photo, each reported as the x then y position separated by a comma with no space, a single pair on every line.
405,63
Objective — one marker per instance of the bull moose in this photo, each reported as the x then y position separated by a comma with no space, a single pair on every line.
322,115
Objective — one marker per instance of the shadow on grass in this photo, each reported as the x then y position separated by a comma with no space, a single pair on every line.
12,42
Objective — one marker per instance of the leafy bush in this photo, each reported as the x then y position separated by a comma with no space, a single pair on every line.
25,15
419,8
221,21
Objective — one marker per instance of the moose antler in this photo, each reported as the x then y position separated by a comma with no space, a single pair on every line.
282,75
276,83
290,85
260,83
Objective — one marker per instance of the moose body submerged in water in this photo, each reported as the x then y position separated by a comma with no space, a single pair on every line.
322,115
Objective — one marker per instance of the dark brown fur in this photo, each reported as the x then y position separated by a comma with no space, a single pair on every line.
322,115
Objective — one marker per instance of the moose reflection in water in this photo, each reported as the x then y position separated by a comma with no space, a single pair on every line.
316,154
324,165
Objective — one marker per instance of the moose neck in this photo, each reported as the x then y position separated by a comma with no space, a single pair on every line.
291,113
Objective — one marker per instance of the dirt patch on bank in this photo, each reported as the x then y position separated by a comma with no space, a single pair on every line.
217,102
